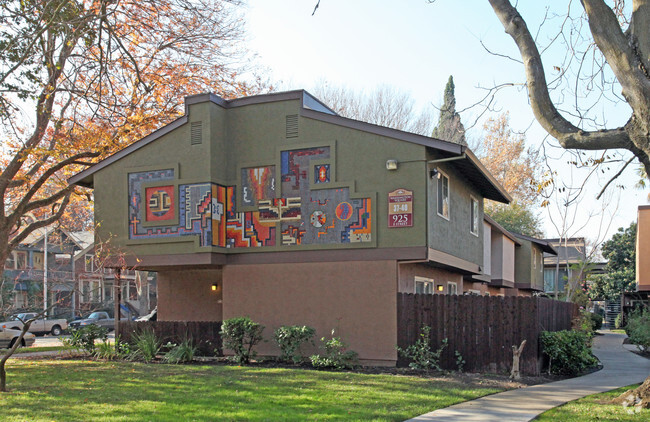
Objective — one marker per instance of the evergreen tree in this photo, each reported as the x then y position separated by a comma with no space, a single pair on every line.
450,128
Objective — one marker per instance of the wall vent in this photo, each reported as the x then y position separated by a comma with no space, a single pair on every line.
292,126
196,133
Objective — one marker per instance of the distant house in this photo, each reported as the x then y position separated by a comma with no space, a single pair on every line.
560,268
641,297
75,282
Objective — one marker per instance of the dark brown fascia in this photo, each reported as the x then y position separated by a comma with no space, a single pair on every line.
500,228
527,286
506,198
499,282
212,260
644,207
444,260
544,245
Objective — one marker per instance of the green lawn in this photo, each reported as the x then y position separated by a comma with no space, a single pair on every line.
74,390
595,408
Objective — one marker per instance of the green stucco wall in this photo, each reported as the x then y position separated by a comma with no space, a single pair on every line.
255,135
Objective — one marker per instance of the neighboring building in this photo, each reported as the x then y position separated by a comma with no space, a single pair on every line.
529,264
641,297
295,215
562,267
75,282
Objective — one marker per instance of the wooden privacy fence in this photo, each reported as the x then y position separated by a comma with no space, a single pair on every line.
482,329
204,334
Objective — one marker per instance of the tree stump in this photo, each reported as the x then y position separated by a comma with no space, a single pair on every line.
516,353
638,397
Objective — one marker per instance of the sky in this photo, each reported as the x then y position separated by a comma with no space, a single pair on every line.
413,46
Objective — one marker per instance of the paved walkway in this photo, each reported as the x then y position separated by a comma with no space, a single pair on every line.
621,367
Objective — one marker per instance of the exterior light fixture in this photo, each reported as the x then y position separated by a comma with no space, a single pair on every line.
214,287
441,288
391,164
434,174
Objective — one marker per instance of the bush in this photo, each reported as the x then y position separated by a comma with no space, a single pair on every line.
83,338
422,355
569,352
290,338
178,353
336,355
638,329
111,351
618,322
240,334
596,320
145,346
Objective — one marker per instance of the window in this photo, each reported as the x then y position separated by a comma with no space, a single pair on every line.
424,286
443,195
21,260
90,291
89,260
452,288
474,216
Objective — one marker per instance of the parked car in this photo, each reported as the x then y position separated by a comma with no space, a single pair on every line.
8,337
99,318
39,326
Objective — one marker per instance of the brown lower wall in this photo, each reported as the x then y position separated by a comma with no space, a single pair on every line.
408,272
188,296
358,299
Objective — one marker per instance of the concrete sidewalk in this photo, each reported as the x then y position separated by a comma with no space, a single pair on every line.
621,367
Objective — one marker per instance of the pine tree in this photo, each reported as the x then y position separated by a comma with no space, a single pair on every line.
449,126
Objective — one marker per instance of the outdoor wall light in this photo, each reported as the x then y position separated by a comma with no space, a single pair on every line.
391,164
441,288
214,287
435,173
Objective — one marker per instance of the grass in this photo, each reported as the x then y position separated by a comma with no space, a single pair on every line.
38,349
75,390
595,408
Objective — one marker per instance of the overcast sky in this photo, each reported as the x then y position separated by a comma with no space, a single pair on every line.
414,46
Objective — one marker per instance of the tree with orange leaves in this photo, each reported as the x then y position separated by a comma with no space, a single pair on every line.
504,154
81,79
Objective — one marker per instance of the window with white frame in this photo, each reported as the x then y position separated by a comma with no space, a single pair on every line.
89,260
443,195
452,288
424,285
91,291
474,216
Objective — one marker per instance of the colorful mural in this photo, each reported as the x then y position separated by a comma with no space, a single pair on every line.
302,214
257,183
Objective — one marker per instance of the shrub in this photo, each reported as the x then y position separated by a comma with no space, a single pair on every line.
290,338
638,329
421,354
596,320
336,355
178,353
111,351
145,346
618,322
83,338
569,352
240,334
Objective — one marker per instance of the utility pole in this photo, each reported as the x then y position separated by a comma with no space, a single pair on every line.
45,274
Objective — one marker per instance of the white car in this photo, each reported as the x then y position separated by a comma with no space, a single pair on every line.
8,337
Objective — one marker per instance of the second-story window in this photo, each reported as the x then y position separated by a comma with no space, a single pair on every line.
474,216
90,263
443,195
